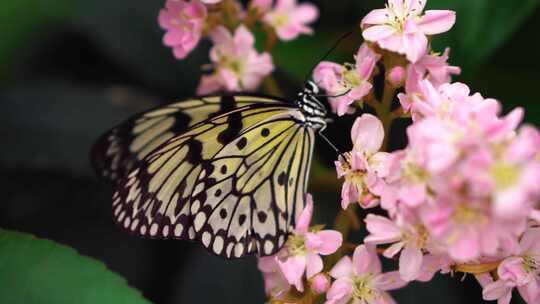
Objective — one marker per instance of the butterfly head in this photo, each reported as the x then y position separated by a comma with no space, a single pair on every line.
311,107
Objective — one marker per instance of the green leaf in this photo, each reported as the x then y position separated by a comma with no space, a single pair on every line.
41,271
481,27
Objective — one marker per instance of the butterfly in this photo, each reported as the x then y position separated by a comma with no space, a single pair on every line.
229,171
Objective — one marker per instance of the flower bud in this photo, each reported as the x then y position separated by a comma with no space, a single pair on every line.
396,76
320,283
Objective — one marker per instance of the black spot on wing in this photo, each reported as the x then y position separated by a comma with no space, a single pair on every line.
227,103
183,121
241,144
234,121
282,178
194,155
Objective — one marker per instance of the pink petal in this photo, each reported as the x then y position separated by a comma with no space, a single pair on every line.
221,35
365,260
391,251
314,265
209,84
342,269
437,21
267,264
378,16
303,221
410,262
415,46
413,195
465,248
360,92
349,194
389,281
367,134
378,32
305,13
497,291
229,79
293,269
243,38
382,230
530,292
331,241
340,292
530,241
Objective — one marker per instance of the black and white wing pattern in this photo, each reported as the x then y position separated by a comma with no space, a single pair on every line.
234,182
119,150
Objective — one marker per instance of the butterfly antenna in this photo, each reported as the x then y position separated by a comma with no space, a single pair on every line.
330,143
336,44
335,96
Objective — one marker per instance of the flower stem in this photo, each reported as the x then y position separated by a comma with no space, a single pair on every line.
477,268
271,86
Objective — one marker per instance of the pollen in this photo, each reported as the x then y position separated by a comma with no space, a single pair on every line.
505,175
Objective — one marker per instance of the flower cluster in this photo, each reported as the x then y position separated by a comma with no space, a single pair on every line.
463,194
236,65
465,189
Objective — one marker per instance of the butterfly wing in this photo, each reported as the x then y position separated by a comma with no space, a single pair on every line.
119,150
235,182
247,200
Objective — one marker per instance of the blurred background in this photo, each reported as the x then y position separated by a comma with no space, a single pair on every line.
71,69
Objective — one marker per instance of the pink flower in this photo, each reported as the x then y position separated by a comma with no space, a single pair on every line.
432,68
401,27
467,228
210,1
238,66
407,238
184,23
515,175
302,253
275,283
350,81
364,167
290,19
521,271
361,280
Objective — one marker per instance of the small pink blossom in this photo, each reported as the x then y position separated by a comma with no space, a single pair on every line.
302,253
401,27
184,23
520,271
320,283
397,76
290,19
404,237
515,175
432,68
364,167
361,280
238,66
350,81
467,228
